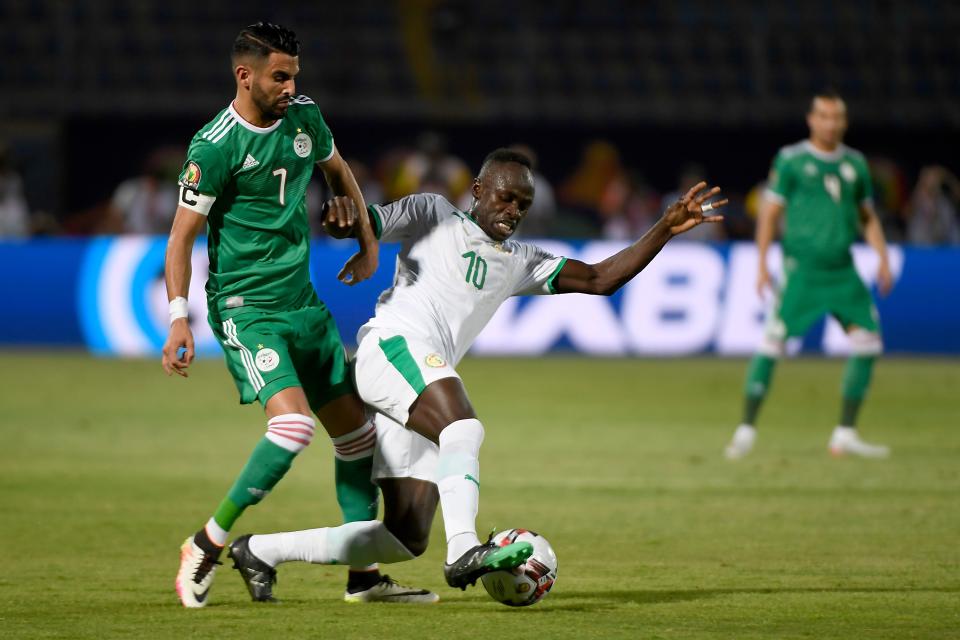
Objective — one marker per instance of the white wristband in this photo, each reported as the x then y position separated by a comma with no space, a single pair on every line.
178,308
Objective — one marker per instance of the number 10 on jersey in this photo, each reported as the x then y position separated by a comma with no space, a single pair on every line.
476,270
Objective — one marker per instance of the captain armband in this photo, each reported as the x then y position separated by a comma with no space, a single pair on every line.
195,201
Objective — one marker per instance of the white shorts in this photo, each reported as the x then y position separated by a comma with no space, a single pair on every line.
391,371
403,453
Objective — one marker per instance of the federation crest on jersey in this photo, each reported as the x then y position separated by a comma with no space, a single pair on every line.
847,172
435,360
302,145
810,169
267,360
191,177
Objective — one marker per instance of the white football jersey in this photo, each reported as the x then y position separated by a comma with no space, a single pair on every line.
451,277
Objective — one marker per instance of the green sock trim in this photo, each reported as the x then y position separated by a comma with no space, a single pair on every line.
856,382
266,466
757,384
357,495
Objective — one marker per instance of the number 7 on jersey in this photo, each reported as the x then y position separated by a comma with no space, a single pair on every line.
283,182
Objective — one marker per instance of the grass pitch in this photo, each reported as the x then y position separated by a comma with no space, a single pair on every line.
108,465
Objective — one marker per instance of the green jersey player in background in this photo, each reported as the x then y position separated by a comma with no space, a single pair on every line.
824,189
245,181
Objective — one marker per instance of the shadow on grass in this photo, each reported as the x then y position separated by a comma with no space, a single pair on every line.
594,600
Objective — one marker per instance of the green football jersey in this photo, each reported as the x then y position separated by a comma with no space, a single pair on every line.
251,183
822,193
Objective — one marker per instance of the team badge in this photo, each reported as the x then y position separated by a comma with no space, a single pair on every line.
267,360
302,145
191,177
847,172
434,360
810,169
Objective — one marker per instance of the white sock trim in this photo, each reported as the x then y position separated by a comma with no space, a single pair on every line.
291,431
865,343
217,534
357,444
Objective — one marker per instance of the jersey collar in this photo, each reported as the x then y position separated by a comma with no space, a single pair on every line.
253,127
828,156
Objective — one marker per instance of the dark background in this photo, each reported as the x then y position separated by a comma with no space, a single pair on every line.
89,88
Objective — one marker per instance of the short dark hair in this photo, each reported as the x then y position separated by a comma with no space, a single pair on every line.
826,93
503,156
263,38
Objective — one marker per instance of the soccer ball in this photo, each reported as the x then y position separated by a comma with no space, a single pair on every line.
531,581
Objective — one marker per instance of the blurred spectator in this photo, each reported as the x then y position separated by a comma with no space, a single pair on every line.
932,211
428,168
889,196
690,175
641,209
599,187
14,213
147,203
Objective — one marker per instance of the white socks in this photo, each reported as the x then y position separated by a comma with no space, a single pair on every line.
355,543
458,479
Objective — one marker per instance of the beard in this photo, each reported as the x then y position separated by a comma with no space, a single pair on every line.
267,107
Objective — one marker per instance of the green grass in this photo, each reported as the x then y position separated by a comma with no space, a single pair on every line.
108,465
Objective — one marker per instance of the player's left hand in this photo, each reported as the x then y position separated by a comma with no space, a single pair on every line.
339,217
689,211
359,267
884,278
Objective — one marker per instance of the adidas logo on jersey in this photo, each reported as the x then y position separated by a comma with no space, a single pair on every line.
249,163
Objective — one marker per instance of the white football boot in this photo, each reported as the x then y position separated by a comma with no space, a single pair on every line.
389,590
742,442
846,441
195,575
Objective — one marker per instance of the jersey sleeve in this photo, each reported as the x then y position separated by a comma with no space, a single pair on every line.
538,270
403,218
204,176
780,181
325,148
864,183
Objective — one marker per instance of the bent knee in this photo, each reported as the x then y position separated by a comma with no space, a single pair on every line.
416,545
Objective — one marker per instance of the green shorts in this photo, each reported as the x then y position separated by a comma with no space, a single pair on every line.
810,293
267,351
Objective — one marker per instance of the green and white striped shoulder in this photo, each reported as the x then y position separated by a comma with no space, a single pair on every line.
217,129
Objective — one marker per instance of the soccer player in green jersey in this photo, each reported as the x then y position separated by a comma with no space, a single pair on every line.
823,188
245,181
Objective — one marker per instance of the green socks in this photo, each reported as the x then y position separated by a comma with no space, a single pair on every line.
357,496
267,465
757,384
856,381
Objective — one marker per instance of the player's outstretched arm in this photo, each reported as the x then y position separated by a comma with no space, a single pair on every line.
873,234
364,263
187,225
605,277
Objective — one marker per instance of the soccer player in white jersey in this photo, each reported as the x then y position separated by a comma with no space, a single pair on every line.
454,270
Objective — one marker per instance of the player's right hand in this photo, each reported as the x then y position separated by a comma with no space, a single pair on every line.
180,337
763,280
